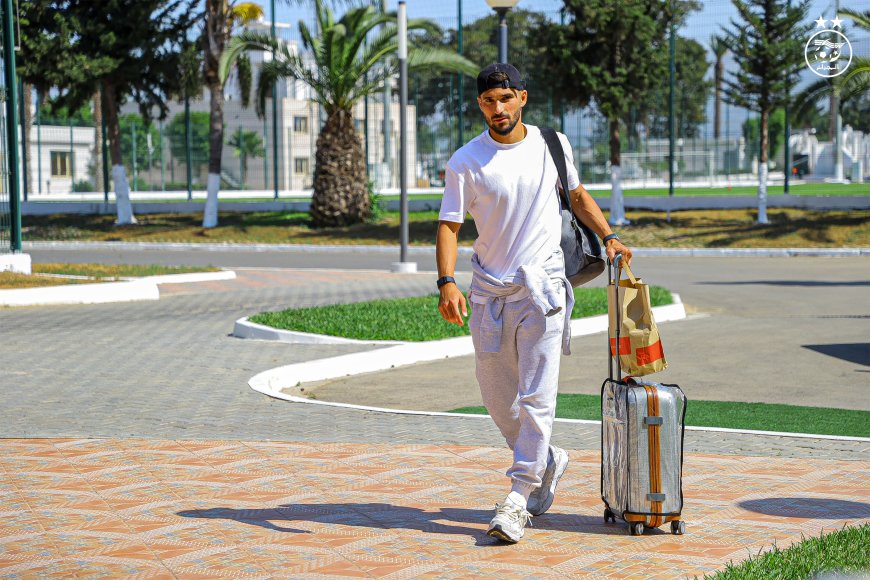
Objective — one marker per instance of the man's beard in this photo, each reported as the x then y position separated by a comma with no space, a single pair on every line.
510,126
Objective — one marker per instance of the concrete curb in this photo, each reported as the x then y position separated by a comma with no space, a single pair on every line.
244,328
102,293
430,250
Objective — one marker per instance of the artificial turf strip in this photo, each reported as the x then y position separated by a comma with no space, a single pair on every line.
732,415
845,551
410,319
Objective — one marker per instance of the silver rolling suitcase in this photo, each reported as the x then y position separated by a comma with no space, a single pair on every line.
641,448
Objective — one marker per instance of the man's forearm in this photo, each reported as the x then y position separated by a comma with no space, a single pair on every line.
446,249
588,212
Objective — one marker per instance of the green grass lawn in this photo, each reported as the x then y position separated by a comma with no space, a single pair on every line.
410,319
755,416
53,274
788,228
844,551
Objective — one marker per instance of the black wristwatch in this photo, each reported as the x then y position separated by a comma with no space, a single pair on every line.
445,280
609,237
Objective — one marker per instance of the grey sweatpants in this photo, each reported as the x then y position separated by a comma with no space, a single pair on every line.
518,384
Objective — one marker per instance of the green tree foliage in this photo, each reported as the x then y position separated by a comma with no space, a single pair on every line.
343,68
199,130
768,47
133,123
437,92
82,117
245,145
691,92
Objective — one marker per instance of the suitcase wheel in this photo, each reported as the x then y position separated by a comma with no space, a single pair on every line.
678,528
635,528
608,516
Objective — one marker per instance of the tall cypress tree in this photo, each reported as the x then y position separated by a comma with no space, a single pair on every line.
768,46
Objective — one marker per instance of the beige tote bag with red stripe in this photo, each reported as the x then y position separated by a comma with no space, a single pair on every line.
640,345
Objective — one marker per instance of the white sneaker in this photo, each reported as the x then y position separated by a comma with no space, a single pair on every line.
509,522
542,498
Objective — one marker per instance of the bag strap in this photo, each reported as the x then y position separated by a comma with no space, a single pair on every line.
624,266
554,145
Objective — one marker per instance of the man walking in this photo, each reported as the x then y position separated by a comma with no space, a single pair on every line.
520,324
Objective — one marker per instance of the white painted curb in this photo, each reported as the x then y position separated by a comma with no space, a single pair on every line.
101,293
81,294
192,277
244,328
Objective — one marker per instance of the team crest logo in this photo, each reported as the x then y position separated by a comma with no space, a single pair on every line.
828,52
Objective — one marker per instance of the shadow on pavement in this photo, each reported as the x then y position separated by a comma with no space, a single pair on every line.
808,507
387,516
858,352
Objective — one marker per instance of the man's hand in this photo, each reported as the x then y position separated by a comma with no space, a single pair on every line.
617,247
452,306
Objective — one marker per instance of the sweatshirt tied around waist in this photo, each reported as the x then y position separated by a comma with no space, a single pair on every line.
534,281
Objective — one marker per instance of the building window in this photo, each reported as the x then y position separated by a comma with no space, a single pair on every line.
300,124
360,125
61,164
300,165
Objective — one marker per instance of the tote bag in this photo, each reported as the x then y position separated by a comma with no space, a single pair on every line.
633,331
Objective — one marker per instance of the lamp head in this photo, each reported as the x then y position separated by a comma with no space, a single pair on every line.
504,4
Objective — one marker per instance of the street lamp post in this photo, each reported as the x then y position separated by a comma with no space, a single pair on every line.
502,7
403,265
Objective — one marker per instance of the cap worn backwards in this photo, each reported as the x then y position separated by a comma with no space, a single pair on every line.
514,78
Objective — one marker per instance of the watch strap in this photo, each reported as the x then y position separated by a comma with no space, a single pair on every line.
445,280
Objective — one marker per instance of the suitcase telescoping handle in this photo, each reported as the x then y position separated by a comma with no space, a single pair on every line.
613,348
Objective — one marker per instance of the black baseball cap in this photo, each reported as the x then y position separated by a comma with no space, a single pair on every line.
514,80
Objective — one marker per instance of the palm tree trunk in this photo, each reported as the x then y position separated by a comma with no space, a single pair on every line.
98,142
341,196
762,169
119,174
215,151
617,204
215,38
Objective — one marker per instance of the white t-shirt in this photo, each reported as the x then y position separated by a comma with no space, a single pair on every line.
510,191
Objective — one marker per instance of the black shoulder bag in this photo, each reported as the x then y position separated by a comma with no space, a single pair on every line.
583,260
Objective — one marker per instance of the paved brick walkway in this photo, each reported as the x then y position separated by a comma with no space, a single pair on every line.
216,509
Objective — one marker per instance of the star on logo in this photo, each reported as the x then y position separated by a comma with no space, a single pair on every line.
820,23
837,22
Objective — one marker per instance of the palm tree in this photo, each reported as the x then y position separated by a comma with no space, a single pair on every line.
855,81
342,70
222,17
246,144
719,48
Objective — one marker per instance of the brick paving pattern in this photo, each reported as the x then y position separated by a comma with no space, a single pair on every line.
208,509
